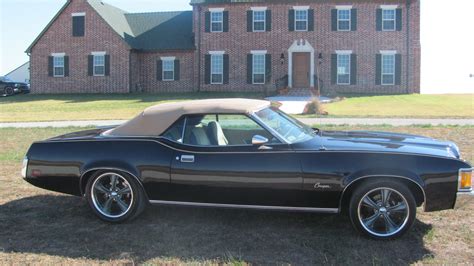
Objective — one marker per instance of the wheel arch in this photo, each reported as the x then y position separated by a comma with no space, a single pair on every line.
415,187
87,174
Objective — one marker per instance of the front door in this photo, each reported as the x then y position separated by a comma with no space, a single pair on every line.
301,69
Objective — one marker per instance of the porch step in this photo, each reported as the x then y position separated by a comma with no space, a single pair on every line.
302,92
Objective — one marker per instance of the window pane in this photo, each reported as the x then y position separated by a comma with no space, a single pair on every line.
99,70
259,78
344,14
168,65
388,69
388,14
344,25
59,71
175,132
388,19
99,60
301,14
259,26
168,75
301,20
216,78
216,21
58,61
343,68
217,64
388,79
259,15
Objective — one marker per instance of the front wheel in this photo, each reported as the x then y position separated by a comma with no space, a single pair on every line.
382,209
115,197
9,91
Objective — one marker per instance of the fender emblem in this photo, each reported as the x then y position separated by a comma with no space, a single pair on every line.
320,186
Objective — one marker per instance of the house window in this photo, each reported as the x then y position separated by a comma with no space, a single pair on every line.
99,65
343,69
217,68
388,69
388,19
217,21
168,70
78,24
301,20
343,19
258,66
58,66
259,21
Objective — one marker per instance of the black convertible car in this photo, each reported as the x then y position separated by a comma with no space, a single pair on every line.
240,153
9,87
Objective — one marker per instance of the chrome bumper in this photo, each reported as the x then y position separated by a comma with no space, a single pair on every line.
463,198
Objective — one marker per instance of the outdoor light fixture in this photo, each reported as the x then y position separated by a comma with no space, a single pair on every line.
282,58
320,57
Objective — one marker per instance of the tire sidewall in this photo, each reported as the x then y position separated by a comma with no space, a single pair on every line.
137,197
374,184
7,89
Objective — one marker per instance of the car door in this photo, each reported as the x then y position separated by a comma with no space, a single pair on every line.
216,163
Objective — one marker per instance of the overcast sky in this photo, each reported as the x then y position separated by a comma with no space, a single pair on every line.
447,36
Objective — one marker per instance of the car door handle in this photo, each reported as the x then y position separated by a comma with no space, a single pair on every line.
187,158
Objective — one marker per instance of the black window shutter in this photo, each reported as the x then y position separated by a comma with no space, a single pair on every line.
353,19
66,66
379,19
207,69
159,70
334,19
268,22
268,68
50,66
90,65
177,70
249,21
311,20
291,20
334,68
378,69
107,65
226,69
399,19
249,68
208,21
78,27
398,69
225,18
353,69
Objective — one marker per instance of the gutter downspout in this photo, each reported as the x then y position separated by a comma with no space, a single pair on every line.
199,47
408,5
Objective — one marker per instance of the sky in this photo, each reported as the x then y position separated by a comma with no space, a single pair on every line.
447,36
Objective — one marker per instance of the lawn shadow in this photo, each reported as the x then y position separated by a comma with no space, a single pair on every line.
64,226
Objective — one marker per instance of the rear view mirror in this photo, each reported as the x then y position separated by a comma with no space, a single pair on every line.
259,140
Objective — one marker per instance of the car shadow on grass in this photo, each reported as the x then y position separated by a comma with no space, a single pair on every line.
64,226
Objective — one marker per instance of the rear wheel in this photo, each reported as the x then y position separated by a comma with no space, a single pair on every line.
382,209
9,91
115,197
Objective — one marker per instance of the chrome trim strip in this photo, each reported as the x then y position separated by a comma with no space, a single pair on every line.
396,176
238,206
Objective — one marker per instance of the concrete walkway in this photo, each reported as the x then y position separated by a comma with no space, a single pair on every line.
309,121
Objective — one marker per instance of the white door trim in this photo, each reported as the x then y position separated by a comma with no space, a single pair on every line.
300,46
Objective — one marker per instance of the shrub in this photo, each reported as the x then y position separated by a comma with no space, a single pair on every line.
315,107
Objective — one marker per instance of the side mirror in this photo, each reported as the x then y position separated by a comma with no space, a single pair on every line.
259,140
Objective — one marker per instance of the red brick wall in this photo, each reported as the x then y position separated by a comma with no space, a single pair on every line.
147,72
366,42
98,37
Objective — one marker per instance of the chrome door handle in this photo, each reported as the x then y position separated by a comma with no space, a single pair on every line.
187,158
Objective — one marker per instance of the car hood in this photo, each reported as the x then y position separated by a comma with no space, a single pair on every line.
380,142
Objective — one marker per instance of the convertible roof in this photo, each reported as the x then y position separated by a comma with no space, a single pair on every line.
156,119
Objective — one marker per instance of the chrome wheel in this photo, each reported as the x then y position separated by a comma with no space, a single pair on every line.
383,212
112,195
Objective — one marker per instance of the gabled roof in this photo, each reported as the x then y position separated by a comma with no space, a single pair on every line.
142,31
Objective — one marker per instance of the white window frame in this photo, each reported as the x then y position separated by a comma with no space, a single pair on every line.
259,53
58,55
349,8
264,20
382,73
344,53
213,71
390,8
167,59
94,65
217,11
305,9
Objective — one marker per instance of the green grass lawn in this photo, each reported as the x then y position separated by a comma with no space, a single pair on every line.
413,106
28,108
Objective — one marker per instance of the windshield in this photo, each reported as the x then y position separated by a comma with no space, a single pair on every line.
290,129
5,79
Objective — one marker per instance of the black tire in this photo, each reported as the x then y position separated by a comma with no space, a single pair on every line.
371,220
135,200
9,91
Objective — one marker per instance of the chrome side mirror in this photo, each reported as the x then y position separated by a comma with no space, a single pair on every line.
259,140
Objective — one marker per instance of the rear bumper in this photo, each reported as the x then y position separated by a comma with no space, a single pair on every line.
462,198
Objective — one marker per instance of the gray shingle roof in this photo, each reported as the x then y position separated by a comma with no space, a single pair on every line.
143,31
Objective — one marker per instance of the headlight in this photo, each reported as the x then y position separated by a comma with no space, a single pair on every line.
465,180
24,167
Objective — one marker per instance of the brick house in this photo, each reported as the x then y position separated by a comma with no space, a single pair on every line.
357,47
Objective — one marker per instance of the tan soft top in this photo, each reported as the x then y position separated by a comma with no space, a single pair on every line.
156,119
